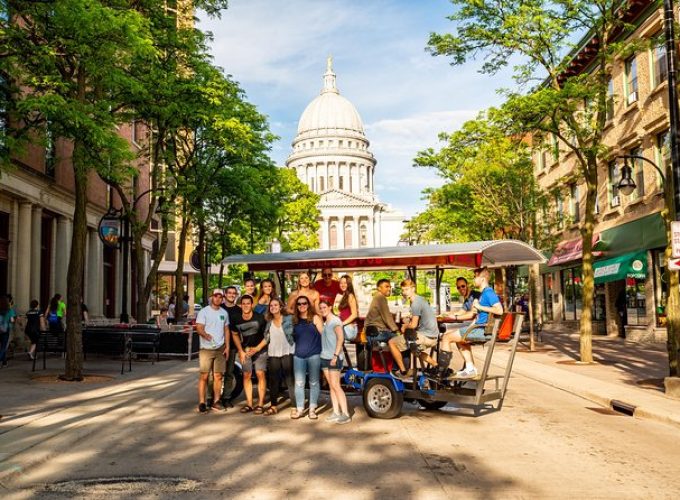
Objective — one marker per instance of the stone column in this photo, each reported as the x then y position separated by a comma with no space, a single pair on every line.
370,178
341,232
22,292
63,254
370,240
36,244
13,247
325,240
94,274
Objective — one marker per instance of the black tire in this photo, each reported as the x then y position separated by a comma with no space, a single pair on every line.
431,405
238,386
381,399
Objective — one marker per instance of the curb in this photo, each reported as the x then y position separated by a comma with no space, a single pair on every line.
628,401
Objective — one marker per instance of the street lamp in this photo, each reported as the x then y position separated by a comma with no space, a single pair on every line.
627,184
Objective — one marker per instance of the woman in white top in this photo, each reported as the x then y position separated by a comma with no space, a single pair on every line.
279,335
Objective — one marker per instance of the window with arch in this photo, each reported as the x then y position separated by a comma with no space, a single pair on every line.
348,235
363,235
333,237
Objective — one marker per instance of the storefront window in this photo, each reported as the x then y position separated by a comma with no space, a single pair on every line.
599,302
660,286
548,297
572,291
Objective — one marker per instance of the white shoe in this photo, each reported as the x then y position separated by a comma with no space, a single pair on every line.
333,417
467,373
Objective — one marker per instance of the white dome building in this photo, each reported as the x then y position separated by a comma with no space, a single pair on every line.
331,155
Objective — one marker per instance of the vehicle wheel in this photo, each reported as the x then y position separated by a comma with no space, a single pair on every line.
381,399
431,405
238,385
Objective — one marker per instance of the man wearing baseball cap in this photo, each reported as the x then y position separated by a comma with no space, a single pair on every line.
212,326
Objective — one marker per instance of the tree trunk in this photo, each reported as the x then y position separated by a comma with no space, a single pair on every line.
673,300
76,267
141,307
155,262
179,273
588,276
202,259
533,275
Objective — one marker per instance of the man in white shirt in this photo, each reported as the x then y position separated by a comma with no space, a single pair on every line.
212,326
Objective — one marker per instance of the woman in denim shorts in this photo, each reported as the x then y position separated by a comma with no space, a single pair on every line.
332,359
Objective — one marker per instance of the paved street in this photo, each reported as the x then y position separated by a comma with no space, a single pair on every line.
545,443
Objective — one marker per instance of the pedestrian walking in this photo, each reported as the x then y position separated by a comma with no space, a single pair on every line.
307,328
281,347
212,325
54,315
332,339
6,321
34,319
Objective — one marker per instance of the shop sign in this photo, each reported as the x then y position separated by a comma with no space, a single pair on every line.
674,264
110,228
675,239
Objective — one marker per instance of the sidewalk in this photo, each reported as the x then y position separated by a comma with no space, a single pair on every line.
625,375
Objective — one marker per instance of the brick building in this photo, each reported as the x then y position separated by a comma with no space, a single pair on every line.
629,232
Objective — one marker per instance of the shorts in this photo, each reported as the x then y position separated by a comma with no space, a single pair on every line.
382,336
212,359
423,342
259,360
477,335
350,331
326,364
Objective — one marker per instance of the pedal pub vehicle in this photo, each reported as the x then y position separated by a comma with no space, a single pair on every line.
384,394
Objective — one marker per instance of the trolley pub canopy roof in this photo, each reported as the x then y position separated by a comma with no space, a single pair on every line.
496,253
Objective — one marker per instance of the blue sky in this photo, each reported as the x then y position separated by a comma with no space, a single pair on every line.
277,51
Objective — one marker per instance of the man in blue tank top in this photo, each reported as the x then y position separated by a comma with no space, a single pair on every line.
488,303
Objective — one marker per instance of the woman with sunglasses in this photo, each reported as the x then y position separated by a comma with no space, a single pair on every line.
348,309
264,297
281,347
307,329
304,289
332,359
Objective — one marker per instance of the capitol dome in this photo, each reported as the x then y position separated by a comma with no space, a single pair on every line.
330,114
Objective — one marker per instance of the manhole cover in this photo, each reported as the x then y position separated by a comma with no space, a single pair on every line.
87,379
123,485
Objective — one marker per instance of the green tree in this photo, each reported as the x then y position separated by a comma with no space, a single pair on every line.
74,56
537,34
295,222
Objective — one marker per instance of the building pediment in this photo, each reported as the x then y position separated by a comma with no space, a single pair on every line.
337,198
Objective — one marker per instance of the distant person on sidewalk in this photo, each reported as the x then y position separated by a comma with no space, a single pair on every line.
488,303
212,325
54,315
34,319
6,320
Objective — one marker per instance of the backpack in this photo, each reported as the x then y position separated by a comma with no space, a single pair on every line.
52,318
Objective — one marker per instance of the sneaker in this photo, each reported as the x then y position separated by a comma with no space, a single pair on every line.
403,376
333,417
343,419
31,356
467,373
218,406
202,409
209,403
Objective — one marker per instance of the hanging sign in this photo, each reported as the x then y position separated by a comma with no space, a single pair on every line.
675,239
195,261
110,228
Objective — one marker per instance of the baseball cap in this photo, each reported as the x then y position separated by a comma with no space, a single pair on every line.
218,291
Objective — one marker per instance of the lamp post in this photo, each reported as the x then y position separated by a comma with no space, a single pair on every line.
627,184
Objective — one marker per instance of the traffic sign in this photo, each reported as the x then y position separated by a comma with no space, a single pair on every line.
674,264
675,239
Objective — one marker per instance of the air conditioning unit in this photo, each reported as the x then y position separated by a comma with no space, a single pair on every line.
616,201
632,97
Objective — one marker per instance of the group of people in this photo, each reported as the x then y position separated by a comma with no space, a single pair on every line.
297,340
293,341
51,319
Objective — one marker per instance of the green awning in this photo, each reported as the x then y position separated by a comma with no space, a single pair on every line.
632,265
644,233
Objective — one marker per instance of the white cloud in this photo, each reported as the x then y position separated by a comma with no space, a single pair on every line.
277,50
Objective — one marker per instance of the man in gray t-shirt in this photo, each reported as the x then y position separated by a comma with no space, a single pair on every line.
423,321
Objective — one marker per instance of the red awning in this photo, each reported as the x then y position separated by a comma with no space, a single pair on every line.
569,250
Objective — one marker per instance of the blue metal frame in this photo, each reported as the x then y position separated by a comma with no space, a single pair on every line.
357,379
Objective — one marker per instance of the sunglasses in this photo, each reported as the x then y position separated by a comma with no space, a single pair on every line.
302,304
461,286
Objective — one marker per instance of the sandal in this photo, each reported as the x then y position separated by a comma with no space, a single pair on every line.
294,414
246,409
312,414
272,410
258,410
